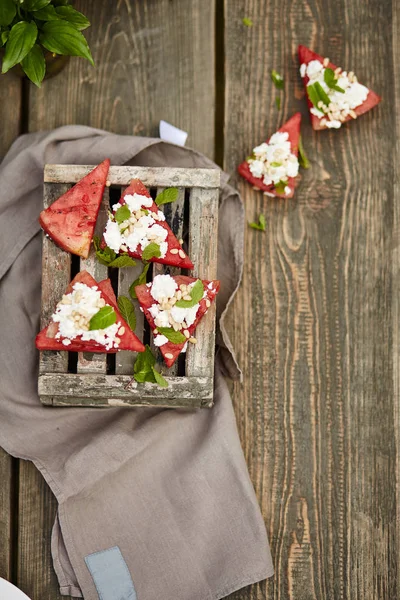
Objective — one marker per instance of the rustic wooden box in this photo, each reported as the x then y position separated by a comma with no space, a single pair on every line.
100,380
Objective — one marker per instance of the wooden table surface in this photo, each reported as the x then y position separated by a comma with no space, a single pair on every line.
316,322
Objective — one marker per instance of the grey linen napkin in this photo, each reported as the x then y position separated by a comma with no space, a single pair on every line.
170,488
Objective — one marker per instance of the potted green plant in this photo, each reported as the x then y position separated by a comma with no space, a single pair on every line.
33,31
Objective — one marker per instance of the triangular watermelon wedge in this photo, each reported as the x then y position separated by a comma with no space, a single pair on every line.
70,220
170,350
174,255
46,340
306,56
292,128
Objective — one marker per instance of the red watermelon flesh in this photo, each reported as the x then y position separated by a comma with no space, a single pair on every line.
305,56
146,300
137,187
45,340
292,127
70,220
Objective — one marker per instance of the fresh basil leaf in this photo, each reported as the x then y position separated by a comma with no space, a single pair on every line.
313,95
122,261
127,311
73,16
4,37
303,160
280,186
48,13
260,225
167,196
34,65
139,281
63,38
151,251
8,10
277,80
322,94
196,294
142,369
176,337
331,81
35,4
122,214
278,103
276,164
103,319
248,22
21,41
104,255
162,382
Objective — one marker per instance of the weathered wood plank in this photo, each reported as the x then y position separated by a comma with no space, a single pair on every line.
110,390
89,362
203,242
312,323
10,108
150,176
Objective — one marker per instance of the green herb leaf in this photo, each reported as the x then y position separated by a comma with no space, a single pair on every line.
167,196
35,4
122,261
276,164
4,37
176,337
122,214
139,281
21,41
331,81
142,369
151,251
322,94
196,294
277,80
313,95
8,10
278,103
260,225
34,65
104,318
162,382
63,38
104,255
303,160
73,16
127,311
248,22
48,13
280,186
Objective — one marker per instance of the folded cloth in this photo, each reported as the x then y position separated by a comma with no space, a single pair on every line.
153,503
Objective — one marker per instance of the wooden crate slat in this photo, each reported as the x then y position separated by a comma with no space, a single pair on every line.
151,176
174,215
118,390
89,362
203,238
124,360
56,270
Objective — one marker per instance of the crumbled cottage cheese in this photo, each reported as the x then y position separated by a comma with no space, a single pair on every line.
273,162
139,230
341,105
74,312
166,293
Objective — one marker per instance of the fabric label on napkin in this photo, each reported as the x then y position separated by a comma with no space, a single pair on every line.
111,575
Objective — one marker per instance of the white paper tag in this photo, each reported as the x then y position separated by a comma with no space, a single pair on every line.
170,133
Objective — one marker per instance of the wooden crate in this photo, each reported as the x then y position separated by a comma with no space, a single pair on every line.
98,380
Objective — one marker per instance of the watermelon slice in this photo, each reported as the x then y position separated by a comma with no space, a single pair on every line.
170,350
70,220
172,253
292,128
46,340
319,122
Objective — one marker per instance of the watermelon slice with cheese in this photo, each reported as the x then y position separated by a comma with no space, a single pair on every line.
348,98
174,325
85,299
138,228
71,219
273,166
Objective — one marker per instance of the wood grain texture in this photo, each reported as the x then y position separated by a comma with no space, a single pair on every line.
313,321
154,60
10,105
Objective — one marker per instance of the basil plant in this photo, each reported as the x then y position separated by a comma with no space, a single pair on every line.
30,27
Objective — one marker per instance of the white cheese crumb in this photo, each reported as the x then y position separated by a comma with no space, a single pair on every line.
185,314
333,124
66,342
210,285
303,69
163,286
160,340
136,201
112,236
287,190
274,161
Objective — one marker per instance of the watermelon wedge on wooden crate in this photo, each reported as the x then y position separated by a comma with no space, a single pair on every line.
334,96
70,220
273,166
